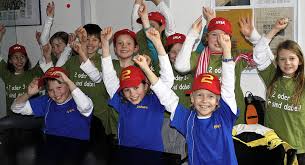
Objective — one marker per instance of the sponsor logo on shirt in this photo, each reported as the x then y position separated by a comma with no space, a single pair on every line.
142,107
216,126
70,110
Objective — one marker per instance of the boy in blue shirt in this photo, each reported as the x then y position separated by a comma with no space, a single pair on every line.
207,127
67,112
140,111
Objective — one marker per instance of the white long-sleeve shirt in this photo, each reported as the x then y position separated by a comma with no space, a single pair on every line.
262,54
83,102
45,34
183,59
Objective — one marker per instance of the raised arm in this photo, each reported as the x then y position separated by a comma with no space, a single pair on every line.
183,59
166,71
228,73
170,28
21,104
110,79
46,61
262,53
50,11
248,30
134,16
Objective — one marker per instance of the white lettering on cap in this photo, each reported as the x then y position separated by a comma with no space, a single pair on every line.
220,22
176,37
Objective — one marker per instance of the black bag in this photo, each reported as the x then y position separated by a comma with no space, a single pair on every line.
255,108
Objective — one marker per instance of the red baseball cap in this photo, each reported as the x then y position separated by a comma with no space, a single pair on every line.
124,31
131,76
220,23
155,16
17,48
175,38
51,73
206,81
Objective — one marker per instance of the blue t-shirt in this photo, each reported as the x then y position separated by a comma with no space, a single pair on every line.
139,125
61,120
209,140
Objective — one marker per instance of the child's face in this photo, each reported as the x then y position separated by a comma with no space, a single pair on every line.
93,44
59,92
174,52
213,41
125,46
18,60
204,101
288,62
157,26
135,94
58,46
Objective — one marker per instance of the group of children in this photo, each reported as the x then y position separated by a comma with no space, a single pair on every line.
158,95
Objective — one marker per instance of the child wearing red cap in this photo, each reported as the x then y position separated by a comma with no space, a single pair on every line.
207,126
66,110
16,73
162,20
209,59
285,83
140,112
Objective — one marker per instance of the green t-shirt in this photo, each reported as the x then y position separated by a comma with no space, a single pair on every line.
96,91
286,119
143,48
214,67
16,85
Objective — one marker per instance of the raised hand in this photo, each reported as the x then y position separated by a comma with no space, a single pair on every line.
37,36
50,9
153,35
138,2
141,61
46,52
208,14
62,76
246,25
77,47
2,31
281,24
225,42
142,12
72,38
106,35
33,87
197,25
81,34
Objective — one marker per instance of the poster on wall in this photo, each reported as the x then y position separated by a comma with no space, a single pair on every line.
264,19
20,12
238,40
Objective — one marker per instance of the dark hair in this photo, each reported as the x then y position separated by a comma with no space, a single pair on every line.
46,80
93,30
299,74
11,67
60,35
